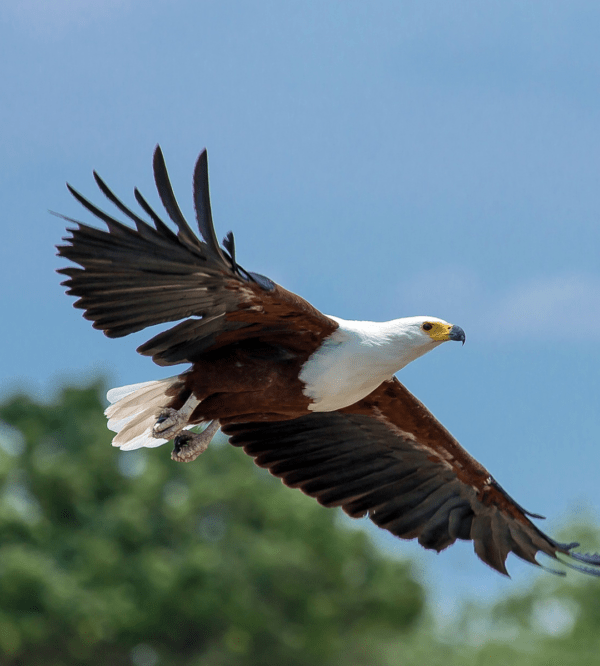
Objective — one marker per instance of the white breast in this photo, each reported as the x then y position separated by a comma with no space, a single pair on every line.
356,358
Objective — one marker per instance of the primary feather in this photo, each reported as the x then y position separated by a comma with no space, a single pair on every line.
311,397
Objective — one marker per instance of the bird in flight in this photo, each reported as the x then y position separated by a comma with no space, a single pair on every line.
311,397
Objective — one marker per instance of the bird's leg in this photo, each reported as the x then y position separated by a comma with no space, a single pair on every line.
189,445
171,422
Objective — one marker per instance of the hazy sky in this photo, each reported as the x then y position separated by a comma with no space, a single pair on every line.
382,159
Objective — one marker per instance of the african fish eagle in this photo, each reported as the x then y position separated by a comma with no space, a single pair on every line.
312,398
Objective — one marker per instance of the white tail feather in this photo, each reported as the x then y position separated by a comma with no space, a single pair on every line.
134,410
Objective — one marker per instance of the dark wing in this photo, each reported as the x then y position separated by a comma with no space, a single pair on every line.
389,458
133,278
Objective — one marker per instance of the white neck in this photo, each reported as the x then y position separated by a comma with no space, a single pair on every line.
393,344
355,359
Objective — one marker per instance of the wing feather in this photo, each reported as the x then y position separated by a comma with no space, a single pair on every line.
389,458
203,209
167,196
133,278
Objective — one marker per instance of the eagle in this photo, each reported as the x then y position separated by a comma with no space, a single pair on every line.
311,397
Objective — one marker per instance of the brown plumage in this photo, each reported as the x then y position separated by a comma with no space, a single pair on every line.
248,342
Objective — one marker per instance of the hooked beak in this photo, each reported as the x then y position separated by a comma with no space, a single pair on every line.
456,333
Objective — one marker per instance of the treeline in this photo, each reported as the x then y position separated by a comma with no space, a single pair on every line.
111,558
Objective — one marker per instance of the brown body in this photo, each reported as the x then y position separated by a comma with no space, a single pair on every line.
235,387
251,373
246,341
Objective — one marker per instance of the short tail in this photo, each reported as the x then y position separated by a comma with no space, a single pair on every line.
133,412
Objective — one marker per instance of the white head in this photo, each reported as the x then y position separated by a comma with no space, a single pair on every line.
416,336
430,329
359,355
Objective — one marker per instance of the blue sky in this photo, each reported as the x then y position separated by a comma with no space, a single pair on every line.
382,159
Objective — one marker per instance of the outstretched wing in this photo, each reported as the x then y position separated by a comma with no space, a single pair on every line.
389,458
134,278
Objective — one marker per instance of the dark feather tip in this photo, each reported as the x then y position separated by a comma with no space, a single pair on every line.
229,245
587,558
521,509
591,560
262,281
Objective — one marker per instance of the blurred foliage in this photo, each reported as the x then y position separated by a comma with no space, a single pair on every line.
110,557
118,558
555,622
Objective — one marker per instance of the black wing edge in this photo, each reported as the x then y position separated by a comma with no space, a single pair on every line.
207,229
342,461
202,204
201,193
588,559
185,235
128,278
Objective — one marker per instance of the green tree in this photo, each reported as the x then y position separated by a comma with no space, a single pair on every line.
553,622
109,557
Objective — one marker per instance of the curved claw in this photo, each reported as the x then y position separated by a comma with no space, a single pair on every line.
187,446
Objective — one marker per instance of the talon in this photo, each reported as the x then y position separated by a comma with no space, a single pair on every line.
180,443
169,424
187,446
163,416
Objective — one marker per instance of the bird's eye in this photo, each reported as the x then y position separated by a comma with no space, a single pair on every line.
427,326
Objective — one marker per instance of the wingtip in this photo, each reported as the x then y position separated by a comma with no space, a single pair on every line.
587,558
202,161
202,206
82,200
200,176
158,159
590,562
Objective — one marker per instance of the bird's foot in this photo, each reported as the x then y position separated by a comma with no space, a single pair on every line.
170,422
189,445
